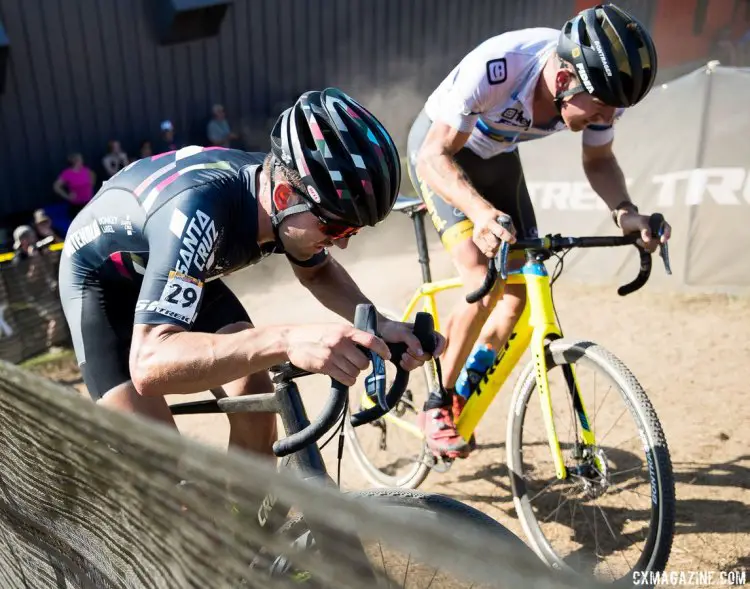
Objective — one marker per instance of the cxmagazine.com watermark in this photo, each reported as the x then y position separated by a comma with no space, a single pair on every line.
687,578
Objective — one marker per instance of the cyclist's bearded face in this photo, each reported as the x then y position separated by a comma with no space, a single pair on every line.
582,109
303,234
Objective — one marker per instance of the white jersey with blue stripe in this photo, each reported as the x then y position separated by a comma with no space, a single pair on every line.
490,94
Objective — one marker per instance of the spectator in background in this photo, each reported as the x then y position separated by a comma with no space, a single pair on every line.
146,150
218,131
743,50
169,141
116,159
24,243
724,49
43,226
76,184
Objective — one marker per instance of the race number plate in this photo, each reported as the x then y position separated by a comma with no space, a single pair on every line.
180,297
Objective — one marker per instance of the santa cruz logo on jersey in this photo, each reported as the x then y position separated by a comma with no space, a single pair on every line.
198,240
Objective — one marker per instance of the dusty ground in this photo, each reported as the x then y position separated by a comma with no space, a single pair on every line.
690,354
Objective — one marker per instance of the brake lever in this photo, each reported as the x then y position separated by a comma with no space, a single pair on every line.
501,259
656,227
366,319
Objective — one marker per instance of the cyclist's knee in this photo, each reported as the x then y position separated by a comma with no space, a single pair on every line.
125,398
253,384
472,268
513,301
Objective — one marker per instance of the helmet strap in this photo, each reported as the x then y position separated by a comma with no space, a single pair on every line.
278,216
571,92
564,93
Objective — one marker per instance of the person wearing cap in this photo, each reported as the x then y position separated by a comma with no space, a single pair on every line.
115,159
218,131
168,140
43,226
24,239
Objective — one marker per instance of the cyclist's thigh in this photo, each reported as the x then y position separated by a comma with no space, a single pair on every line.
221,311
501,181
452,225
100,320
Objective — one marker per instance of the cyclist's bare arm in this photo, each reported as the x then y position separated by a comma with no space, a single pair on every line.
604,174
331,284
437,167
167,359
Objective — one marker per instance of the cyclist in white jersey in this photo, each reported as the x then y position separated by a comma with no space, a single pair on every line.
464,163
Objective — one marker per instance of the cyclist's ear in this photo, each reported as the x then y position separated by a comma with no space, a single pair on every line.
283,196
563,78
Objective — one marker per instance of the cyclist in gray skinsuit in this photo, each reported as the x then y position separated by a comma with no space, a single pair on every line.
141,268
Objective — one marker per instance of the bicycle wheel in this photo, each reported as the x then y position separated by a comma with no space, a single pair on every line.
391,567
584,536
391,452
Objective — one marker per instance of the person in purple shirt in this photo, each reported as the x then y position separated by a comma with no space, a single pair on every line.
76,184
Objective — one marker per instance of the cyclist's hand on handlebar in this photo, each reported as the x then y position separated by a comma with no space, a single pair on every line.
331,349
415,356
489,234
634,222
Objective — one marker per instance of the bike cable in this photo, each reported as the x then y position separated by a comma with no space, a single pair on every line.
555,275
339,429
340,455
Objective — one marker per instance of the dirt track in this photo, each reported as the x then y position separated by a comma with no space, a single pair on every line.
690,354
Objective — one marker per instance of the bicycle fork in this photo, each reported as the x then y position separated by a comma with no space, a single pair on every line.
545,328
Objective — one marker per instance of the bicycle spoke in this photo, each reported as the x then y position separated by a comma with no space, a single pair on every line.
382,559
606,521
598,407
620,489
573,514
406,572
432,579
552,484
556,510
619,472
619,493
636,435
596,411
624,411
593,528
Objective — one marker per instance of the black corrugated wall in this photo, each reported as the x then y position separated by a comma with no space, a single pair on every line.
84,71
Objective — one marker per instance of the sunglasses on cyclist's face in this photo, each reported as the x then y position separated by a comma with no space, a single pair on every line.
335,230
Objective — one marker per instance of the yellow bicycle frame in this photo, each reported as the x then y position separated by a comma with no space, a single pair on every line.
536,325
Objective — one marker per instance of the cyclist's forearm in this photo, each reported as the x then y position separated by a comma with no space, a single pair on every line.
335,289
189,362
449,181
607,179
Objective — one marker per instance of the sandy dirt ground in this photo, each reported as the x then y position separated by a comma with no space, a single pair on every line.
689,352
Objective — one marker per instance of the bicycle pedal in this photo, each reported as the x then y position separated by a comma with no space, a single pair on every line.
442,465
438,463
